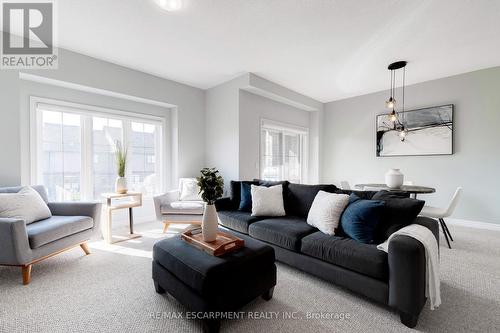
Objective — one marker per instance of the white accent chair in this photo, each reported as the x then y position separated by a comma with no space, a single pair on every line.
442,213
344,185
170,209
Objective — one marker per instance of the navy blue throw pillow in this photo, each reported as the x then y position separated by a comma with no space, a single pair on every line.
361,217
246,197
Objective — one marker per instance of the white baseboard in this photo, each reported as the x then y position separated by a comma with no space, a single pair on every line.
473,224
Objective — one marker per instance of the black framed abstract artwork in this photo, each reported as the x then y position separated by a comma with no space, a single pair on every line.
429,131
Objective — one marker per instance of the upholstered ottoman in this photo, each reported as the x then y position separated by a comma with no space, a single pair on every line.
209,285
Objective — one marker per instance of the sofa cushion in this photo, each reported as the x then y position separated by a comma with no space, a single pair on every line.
56,227
269,183
235,191
237,220
246,197
398,210
347,253
299,197
39,188
27,204
189,189
209,275
285,232
361,217
361,194
267,201
385,195
326,210
183,208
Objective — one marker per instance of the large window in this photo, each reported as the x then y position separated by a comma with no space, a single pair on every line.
105,133
283,152
142,152
74,151
61,154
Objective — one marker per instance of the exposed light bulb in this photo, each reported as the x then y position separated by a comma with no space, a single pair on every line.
390,103
170,5
402,134
392,116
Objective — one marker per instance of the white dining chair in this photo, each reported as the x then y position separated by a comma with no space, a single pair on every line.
442,213
344,185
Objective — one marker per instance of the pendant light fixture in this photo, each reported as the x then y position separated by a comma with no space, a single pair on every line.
391,102
397,118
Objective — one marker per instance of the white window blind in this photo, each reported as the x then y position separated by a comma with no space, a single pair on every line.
283,152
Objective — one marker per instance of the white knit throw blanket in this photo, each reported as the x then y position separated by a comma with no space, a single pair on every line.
426,237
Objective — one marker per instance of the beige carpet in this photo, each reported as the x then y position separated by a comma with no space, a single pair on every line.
112,291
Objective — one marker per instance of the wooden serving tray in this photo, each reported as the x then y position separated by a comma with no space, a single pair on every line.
224,243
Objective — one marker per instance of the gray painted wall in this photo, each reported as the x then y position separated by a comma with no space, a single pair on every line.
10,140
222,130
233,112
84,70
349,143
253,108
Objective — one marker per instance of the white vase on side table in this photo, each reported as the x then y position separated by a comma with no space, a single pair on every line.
121,185
210,223
394,178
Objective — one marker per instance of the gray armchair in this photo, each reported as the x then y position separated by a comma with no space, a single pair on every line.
72,224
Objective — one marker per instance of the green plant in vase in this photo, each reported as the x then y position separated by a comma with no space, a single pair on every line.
211,188
121,166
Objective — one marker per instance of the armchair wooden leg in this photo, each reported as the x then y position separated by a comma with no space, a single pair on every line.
165,226
85,248
26,274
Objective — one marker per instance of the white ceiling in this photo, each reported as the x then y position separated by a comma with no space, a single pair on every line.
325,49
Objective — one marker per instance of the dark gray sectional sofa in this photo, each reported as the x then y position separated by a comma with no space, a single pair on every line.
396,279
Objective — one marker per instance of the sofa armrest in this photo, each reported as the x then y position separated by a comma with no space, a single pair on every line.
431,224
407,271
224,204
164,199
14,245
90,209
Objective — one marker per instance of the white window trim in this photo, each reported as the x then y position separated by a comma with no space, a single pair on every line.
290,128
90,110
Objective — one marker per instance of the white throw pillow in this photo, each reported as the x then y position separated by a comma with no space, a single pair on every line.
189,189
326,210
25,205
267,201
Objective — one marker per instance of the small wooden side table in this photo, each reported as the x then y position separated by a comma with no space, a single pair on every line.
111,205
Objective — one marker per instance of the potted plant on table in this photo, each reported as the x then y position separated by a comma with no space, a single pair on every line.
121,164
211,188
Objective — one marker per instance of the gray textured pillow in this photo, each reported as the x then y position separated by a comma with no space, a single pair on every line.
267,201
25,205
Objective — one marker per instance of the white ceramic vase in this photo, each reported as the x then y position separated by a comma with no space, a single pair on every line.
394,178
121,185
210,223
